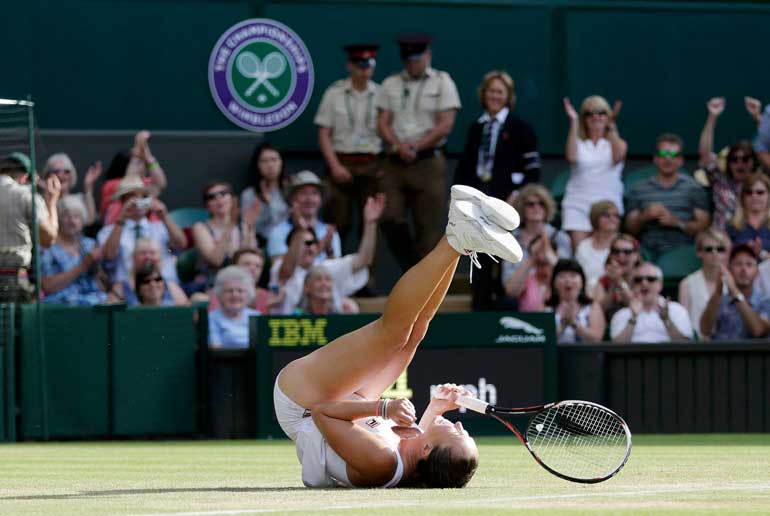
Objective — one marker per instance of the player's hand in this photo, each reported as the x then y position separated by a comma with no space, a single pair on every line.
401,411
445,397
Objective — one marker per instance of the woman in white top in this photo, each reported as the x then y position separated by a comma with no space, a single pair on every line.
266,196
596,153
592,252
712,247
578,317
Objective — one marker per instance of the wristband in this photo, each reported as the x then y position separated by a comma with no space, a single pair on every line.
152,166
632,321
382,408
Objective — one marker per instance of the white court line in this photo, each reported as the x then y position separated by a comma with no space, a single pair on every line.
477,502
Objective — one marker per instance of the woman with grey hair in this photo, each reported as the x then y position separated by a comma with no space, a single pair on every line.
229,324
69,267
61,165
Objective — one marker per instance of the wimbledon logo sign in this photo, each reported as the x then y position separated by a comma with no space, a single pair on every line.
260,75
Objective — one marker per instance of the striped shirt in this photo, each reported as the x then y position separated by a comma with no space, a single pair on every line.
681,199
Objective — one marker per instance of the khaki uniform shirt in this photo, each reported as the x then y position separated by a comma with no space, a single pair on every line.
415,102
352,117
16,222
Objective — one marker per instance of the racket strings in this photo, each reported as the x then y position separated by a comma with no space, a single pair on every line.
579,440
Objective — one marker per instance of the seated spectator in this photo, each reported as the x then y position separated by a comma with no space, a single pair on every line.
146,251
305,201
530,284
69,267
350,272
578,318
151,288
593,251
596,154
762,141
649,317
668,209
712,247
139,163
117,240
61,165
743,312
725,180
265,197
613,290
318,294
751,223
253,260
229,324
218,238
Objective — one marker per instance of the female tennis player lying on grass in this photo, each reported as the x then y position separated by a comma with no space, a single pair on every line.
355,439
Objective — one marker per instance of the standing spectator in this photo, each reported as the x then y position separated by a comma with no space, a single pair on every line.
751,223
592,252
347,136
139,163
16,225
530,284
649,317
762,141
740,162
265,196
218,238
229,324
578,318
596,154
305,201
666,210
417,110
743,312
61,165
713,247
613,290
500,157
152,289
318,293
69,267
117,240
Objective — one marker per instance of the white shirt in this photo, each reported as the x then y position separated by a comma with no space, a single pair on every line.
155,230
594,175
649,326
345,280
483,119
592,260
696,297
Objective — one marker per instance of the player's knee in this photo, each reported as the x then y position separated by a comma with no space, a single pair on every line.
395,334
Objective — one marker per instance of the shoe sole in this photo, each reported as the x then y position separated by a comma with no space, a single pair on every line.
504,239
499,211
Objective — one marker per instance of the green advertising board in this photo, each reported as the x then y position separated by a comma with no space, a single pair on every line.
504,358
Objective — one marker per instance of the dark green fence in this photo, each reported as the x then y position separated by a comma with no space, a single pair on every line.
7,373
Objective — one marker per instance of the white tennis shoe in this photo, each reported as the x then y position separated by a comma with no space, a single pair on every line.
499,211
471,230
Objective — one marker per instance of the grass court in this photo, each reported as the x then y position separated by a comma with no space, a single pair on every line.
681,474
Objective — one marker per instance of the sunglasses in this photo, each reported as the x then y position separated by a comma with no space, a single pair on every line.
649,279
530,204
310,242
711,248
596,112
669,153
154,279
742,159
216,195
627,252
60,171
758,192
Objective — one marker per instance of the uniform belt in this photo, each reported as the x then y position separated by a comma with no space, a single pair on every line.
429,153
5,271
358,157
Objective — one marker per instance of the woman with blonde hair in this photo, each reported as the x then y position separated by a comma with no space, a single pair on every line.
596,153
592,252
751,223
712,247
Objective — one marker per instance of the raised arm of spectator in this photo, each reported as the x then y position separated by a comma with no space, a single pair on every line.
618,144
111,246
626,321
177,240
368,245
757,325
157,175
291,258
754,108
571,148
93,173
48,228
515,283
715,108
762,142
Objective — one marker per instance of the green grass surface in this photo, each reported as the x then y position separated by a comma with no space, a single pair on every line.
665,474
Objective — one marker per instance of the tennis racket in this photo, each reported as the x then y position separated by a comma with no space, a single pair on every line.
578,441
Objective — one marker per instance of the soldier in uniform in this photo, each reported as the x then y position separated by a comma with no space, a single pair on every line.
417,109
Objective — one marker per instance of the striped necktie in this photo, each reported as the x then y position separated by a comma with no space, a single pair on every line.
486,150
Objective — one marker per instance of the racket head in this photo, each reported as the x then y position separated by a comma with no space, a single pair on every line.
579,441
274,65
248,65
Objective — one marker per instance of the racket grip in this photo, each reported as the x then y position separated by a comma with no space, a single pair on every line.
473,404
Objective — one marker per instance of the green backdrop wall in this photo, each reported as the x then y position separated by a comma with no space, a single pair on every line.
98,64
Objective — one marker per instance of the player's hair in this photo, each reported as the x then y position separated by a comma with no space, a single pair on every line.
442,469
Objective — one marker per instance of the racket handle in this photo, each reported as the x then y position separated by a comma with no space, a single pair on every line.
473,404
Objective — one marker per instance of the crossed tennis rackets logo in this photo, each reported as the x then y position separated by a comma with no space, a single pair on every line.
261,70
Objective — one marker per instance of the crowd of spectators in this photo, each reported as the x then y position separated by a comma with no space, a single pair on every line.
270,249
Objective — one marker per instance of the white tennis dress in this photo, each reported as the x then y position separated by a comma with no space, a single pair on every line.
321,466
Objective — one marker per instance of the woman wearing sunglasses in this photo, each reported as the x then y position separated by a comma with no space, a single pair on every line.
751,223
596,153
613,290
713,248
725,173
151,288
